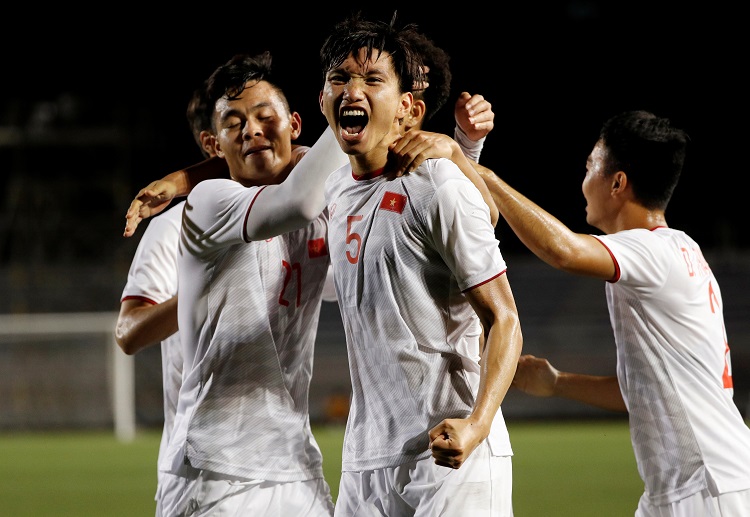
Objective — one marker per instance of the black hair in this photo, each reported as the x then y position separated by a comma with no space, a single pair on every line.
356,32
438,74
650,150
198,115
229,79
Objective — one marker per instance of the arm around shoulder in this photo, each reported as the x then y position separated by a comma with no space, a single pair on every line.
157,196
301,197
545,235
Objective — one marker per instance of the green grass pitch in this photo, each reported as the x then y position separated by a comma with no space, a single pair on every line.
559,469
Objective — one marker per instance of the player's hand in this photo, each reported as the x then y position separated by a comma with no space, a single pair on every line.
535,376
454,439
422,85
149,202
474,115
415,146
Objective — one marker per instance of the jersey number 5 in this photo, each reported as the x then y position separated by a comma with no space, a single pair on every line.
353,258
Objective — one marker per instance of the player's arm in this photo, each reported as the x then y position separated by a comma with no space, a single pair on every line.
415,146
536,376
453,440
545,235
141,323
300,198
158,194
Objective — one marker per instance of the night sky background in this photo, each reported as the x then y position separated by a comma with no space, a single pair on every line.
552,71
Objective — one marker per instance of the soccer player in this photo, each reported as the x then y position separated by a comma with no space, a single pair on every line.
674,373
252,262
418,274
148,307
473,117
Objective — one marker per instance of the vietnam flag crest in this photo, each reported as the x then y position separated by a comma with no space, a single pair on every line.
316,248
393,202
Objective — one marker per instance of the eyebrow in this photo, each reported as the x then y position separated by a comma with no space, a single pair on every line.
374,66
236,112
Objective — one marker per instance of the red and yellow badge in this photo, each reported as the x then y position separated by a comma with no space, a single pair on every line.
393,202
316,248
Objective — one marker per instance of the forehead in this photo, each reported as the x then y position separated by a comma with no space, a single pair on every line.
367,60
256,95
599,152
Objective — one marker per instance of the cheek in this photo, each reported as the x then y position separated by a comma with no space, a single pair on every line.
282,127
591,183
326,98
224,139
388,98
585,186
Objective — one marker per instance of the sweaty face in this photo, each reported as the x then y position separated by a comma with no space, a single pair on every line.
255,134
596,188
362,102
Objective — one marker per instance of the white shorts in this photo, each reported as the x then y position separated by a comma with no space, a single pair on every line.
203,493
701,504
482,487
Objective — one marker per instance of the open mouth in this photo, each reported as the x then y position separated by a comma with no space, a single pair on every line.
353,121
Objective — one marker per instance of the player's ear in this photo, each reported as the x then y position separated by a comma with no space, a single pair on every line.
320,102
404,109
416,115
296,120
218,150
208,141
619,181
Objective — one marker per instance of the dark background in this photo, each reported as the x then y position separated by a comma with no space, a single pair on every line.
114,86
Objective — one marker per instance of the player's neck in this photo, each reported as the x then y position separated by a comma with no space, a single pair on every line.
368,163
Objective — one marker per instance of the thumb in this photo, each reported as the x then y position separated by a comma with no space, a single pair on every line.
437,432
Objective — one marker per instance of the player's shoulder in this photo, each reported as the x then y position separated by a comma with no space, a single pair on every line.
210,190
652,246
440,171
444,166
174,211
645,237
169,220
213,184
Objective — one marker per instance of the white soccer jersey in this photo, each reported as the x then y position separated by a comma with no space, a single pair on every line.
153,278
674,367
403,250
248,314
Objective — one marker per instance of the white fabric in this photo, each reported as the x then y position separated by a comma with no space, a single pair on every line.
482,487
248,314
700,504
329,289
674,366
471,148
412,336
153,277
247,332
300,198
201,493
